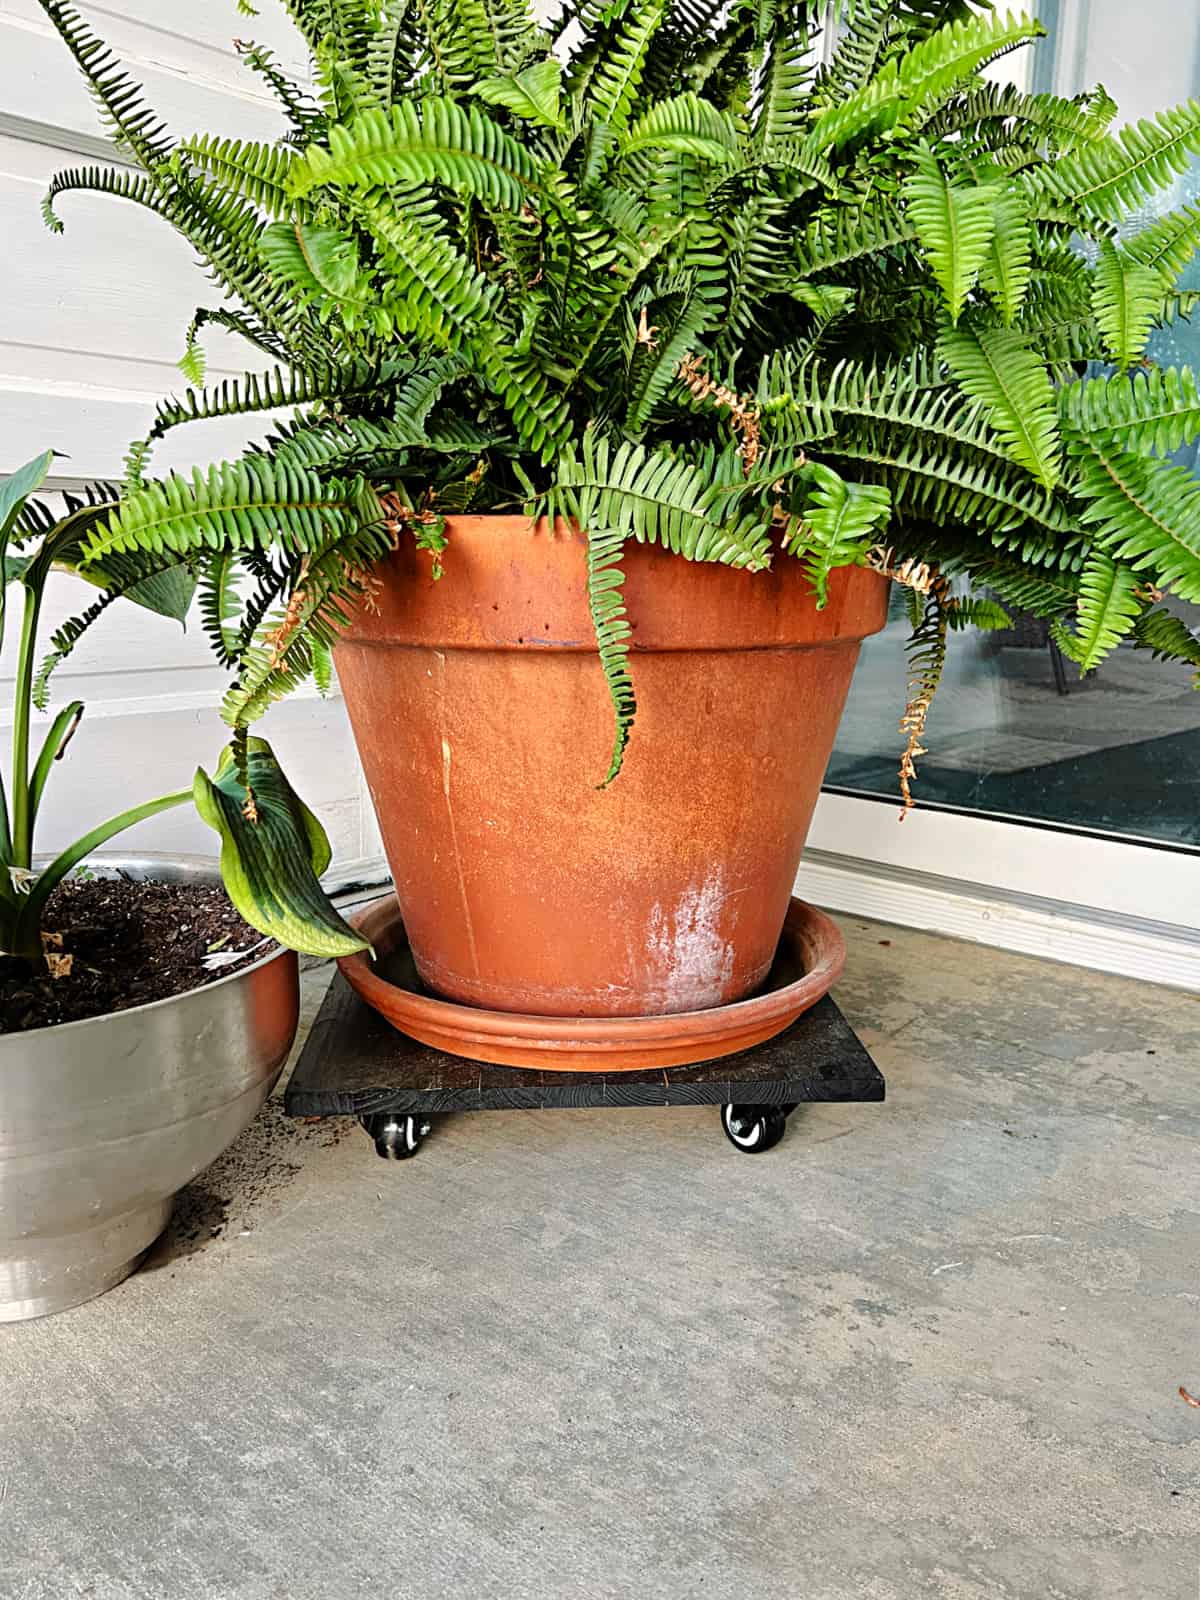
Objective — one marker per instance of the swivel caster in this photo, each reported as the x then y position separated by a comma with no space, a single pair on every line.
753,1129
396,1136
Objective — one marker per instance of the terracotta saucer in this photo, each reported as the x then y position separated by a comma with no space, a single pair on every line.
809,961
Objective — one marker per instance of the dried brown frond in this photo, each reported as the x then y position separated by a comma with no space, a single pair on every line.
913,574
59,966
646,331
930,638
399,515
743,416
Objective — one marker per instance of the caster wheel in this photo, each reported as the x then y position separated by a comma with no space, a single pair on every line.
753,1129
396,1136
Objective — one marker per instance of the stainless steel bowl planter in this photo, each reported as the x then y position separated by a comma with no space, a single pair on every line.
103,1121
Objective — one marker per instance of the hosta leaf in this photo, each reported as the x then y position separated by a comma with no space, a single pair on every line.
1108,605
18,486
1145,512
1126,299
997,367
955,225
273,851
532,94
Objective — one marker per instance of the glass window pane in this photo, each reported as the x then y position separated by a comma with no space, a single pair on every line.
1014,731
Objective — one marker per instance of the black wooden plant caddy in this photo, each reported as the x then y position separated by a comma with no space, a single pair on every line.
356,1064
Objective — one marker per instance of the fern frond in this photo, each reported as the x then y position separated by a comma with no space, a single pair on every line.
837,239
1007,269
955,225
1116,174
610,622
254,503
648,496
118,182
533,94
256,172
838,524
1126,299
916,82
1169,245
1152,411
613,90
996,367
264,391
1144,512
118,97
219,607
1109,603
685,124
435,141
1168,638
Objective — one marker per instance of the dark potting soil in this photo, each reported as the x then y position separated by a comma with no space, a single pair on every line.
129,943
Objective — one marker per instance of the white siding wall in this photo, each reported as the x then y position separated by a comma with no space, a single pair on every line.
91,326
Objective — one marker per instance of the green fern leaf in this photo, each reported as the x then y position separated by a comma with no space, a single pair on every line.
193,364
613,92
1145,513
605,580
649,496
838,525
955,225
996,367
435,141
1114,175
1169,245
918,81
323,264
1126,299
532,94
1168,638
1108,605
253,503
686,124
1151,411
976,611
255,172
1007,268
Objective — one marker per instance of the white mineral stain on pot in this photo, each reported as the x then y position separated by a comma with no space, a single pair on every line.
689,959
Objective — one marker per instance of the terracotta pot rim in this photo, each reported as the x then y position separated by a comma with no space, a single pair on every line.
712,1031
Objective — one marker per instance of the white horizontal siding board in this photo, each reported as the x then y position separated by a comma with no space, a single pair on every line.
117,281
194,86
91,328
184,33
92,325
117,762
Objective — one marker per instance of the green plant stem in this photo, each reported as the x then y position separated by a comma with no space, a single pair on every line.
56,742
26,933
22,818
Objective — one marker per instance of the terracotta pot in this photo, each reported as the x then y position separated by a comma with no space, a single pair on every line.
484,727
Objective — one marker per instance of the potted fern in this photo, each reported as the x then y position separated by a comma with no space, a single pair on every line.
634,354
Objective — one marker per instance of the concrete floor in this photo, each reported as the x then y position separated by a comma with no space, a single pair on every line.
931,1348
